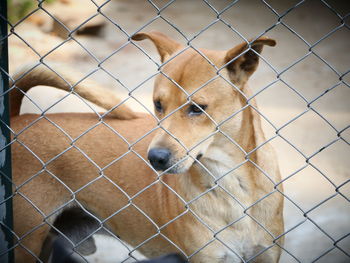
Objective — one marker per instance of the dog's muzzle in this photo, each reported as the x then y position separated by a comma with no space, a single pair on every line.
159,158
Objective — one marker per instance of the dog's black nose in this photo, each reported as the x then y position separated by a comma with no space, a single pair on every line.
159,158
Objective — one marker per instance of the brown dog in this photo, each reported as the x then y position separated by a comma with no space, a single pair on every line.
217,200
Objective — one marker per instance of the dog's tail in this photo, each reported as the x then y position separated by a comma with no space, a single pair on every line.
66,79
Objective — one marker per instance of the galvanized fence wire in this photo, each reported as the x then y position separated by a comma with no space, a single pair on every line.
217,180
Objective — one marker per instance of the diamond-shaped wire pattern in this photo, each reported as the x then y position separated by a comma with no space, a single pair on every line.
204,205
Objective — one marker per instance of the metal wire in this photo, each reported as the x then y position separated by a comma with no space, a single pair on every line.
217,180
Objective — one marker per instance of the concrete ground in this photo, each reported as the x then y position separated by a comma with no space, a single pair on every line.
325,175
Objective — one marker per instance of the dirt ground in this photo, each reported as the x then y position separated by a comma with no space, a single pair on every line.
313,225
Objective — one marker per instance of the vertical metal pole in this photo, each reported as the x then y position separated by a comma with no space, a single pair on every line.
6,219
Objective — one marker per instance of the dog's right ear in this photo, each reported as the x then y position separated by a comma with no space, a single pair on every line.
243,60
165,45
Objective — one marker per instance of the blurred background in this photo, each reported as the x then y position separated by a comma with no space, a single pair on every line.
301,86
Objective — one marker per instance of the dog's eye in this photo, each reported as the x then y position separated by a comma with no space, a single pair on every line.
197,110
158,106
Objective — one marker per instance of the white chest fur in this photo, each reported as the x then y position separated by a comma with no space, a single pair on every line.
230,196
226,168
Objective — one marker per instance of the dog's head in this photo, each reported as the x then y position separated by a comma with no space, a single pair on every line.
191,98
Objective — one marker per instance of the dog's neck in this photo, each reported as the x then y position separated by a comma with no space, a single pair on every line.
231,146
224,156
224,173
222,177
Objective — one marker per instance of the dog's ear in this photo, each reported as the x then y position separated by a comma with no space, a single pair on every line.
165,45
241,67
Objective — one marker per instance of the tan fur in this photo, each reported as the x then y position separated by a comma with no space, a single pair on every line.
231,205
33,75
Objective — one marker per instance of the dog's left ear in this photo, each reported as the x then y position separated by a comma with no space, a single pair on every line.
164,44
243,66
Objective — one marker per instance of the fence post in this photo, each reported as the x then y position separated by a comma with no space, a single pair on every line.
6,224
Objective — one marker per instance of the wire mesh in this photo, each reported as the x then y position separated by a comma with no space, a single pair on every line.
298,217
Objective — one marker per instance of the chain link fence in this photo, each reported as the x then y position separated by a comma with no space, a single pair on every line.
301,87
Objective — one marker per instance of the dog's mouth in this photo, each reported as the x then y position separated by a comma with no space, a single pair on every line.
165,160
182,165
199,156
